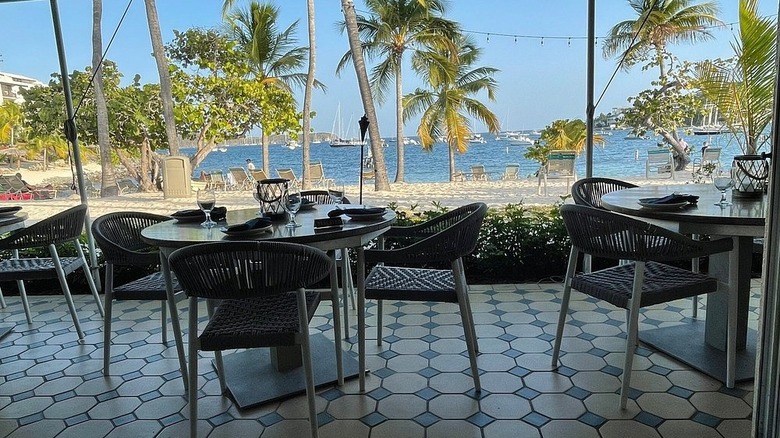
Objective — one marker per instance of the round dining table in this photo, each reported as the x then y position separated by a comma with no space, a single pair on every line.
742,221
244,370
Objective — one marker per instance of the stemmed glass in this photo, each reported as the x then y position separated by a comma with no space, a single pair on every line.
723,181
292,203
206,201
336,192
256,195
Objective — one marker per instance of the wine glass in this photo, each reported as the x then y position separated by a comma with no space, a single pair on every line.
723,181
206,201
336,192
259,200
292,203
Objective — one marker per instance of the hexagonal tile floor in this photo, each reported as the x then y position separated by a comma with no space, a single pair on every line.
419,386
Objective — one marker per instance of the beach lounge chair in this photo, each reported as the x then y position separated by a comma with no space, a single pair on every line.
289,175
511,172
560,164
478,173
127,185
709,156
659,164
243,181
258,174
317,175
20,190
215,180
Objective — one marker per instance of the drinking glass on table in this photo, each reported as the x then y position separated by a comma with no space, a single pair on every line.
336,192
292,203
206,201
723,181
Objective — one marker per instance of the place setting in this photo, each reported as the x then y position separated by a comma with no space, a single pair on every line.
207,209
674,201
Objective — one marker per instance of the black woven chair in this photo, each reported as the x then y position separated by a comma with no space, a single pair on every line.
63,227
253,280
588,191
119,237
347,286
644,281
444,239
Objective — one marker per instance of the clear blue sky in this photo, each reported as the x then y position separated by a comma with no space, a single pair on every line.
537,82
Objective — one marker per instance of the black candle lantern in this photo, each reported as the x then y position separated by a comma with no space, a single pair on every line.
363,122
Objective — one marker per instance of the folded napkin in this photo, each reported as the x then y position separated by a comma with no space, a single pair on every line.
356,211
217,214
674,198
251,224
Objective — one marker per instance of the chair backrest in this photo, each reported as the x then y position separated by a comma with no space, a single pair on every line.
248,269
239,174
710,155
588,191
603,233
659,156
62,227
477,171
511,171
320,197
452,235
216,176
561,162
127,185
119,236
258,174
316,171
287,174
15,183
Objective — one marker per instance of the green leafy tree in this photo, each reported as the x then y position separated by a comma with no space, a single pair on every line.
742,88
393,28
658,24
275,58
560,135
11,119
450,102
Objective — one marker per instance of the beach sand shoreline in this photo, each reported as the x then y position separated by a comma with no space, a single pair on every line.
421,196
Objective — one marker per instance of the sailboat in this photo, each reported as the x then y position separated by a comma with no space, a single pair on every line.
338,141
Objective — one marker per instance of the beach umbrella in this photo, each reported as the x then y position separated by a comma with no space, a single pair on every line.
70,124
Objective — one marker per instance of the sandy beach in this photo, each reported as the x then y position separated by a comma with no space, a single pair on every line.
404,195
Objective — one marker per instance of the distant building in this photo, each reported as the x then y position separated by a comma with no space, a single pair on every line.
11,84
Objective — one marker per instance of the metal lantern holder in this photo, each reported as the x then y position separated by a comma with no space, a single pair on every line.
750,175
271,194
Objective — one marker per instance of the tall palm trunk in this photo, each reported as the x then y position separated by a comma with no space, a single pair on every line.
307,93
381,181
266,142
399,123
166,95
108,182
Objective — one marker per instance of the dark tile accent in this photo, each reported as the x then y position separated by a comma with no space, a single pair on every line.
331,394
528,393
512,353
538,323
391,338
387,354
502,324
680,392
384,372
427,393
64,396
566,371
379,393
507,337
536,419
107,396
430,325
373,419
612,370
662,371
76,419
430,313
592,419
706,419
38,416
429,354
519,371
578,393
124,419
394,326
171,419
480,420
426,419
649,419
598,352
586,336
270,419
324,418
430,338
220,419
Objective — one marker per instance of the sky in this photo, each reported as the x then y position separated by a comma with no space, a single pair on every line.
540,79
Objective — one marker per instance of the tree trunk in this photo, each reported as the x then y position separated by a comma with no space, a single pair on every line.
166,95
144,180
399,123
108,182
452,163
307,94
679,153
381,181
265,141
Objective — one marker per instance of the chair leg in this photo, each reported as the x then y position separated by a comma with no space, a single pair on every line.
2,300
23,294
193,371
109,297
733,303
587,264
695,268
632,331
66,290
460,290
334,301
164,322
308,370
361,318
90,280
573,254
344,290
467,301
379,322
174,311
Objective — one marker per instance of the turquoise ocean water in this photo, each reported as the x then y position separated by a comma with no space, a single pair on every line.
618,158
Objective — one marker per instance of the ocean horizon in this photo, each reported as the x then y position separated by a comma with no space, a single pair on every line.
620,157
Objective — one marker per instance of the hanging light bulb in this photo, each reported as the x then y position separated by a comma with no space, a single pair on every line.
569,42
515,39
542,41
488,37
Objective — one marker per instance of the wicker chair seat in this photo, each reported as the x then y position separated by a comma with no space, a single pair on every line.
411,284
662,283
38,268
151,287
257,322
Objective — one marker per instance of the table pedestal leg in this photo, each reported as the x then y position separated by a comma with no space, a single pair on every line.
717,302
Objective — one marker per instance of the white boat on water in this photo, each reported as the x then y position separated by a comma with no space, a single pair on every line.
408,141
221,149
477,138
292,144
519,139
339,140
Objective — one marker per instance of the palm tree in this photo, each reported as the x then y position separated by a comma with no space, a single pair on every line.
393,28
308,91
166,95
275,56
743,88
448,105
562,134
108,182
356,52
11,118
659,23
